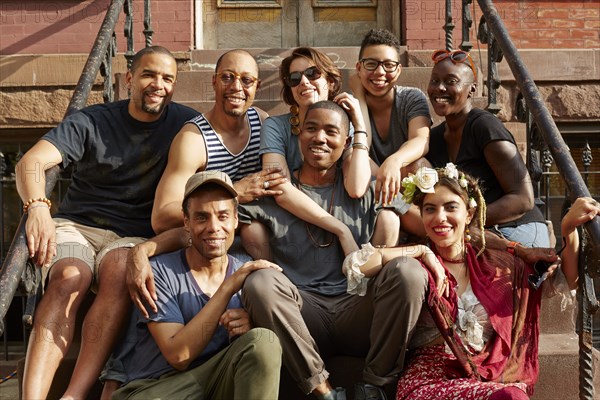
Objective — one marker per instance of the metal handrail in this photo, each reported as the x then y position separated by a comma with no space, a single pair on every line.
572,177
17,255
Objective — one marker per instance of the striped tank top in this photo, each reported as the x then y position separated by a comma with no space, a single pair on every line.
220,158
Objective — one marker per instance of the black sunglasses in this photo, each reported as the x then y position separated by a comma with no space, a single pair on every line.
294,79
541,270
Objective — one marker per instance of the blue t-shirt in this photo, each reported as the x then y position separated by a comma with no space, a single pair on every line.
179,300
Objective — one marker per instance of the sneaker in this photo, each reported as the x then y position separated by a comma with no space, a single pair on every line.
339,393
365,391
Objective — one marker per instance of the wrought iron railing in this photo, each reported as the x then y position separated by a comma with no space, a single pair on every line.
543,137
14,262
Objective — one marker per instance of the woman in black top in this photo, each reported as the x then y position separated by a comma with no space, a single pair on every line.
479,144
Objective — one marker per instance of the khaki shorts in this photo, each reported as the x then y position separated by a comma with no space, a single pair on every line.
81,242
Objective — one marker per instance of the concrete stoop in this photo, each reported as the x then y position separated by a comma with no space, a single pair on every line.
559,368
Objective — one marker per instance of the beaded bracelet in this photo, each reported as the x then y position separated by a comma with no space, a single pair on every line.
31,201
360,146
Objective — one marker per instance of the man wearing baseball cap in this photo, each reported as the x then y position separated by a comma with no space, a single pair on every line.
200,312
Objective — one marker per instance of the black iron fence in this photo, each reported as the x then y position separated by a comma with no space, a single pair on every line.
558,177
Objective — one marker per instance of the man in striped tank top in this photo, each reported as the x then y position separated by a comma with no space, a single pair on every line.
226,138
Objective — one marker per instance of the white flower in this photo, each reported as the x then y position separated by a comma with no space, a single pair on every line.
450,171
472,203
425,179
463,182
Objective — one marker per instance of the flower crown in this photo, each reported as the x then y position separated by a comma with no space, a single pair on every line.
425,179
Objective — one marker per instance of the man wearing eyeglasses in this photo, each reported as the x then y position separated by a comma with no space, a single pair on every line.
399,117
226,138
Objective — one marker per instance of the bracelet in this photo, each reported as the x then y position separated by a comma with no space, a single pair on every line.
360,146
29,202
511,247
365,132
38,206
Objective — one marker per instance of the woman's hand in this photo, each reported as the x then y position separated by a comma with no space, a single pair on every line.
583,210
438,271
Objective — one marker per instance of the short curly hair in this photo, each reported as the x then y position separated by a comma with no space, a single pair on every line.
321,61
379,36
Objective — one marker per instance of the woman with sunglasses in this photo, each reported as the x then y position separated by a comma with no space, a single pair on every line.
478,143
477,337
309,76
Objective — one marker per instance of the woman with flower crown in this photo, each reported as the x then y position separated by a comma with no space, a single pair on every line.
479,144
477,337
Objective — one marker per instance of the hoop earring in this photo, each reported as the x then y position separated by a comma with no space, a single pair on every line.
295,120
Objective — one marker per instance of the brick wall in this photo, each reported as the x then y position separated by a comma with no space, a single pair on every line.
531,24
71,26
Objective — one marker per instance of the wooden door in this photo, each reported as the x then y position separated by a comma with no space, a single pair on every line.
290,23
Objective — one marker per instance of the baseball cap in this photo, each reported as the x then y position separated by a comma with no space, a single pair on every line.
204,177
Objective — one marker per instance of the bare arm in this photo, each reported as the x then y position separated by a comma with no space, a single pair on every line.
389,177
31,184
181,344
356,166
506,162
139,278
303,207
186,156
382,256
583,210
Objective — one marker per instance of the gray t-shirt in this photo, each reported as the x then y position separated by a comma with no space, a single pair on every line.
299,248
409,103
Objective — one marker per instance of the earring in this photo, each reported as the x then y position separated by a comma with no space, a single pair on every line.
189,242
467,235
295,120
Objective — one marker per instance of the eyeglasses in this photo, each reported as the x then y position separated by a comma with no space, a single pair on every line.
371,64
541,270
228,78
313,73
457,57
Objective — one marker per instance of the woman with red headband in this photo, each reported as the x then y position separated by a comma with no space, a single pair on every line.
479,144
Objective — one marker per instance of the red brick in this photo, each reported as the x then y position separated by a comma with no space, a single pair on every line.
557,13
584,34
10,30
536,23
591,44
589,13
561,23
553,34
591,4
523,34
592,24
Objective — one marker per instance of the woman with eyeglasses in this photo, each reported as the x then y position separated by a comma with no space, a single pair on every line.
397,117
309,76
478,143
477,334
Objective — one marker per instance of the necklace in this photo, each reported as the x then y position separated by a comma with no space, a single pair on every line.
452,261
308,231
